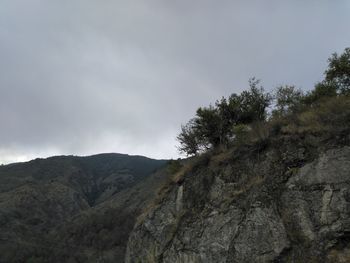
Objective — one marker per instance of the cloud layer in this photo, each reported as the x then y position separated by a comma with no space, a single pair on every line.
84,76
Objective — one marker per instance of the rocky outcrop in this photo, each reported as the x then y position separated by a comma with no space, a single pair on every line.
316,207
260,209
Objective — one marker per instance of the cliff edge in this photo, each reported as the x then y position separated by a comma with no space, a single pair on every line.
287,200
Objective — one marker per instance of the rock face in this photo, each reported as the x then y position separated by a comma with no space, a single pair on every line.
260,209
316,206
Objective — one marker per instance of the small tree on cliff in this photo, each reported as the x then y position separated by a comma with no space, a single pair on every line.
288,99
188,139
213,126
338,71
253,103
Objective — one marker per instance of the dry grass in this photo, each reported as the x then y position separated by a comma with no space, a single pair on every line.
252,182
221,158
330,117
165,189
260,131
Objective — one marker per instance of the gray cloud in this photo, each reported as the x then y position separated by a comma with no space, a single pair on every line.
84,76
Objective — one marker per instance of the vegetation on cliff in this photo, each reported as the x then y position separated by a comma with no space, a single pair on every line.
268,183
233,118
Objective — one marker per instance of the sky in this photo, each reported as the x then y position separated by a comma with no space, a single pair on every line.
83,77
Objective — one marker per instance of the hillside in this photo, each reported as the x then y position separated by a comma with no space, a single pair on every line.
278,194
51,209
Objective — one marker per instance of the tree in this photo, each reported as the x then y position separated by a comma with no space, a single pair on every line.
208,125
336,82
338,71
322,90
227,113
188,139
253,103
213,126
233,117
287,98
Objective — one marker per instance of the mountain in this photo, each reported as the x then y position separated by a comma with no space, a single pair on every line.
74,209
277,190
280,194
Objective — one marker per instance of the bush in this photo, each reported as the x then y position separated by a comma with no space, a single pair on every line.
322,91
288,100
338,71
330,118
241,132
188,138
214,126
259,133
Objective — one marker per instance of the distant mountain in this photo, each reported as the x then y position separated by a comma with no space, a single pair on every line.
74,209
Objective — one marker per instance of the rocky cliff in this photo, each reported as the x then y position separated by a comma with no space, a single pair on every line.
286,202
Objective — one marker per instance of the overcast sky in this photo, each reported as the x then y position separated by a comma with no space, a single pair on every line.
83,77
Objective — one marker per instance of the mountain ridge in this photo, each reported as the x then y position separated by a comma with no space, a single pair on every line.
43,198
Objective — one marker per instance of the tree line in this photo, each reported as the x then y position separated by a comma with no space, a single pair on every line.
218,125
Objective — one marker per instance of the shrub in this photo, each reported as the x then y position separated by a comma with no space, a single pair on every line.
241,132
288,100
213,126
188,138
331,117
323,91
338,71
259,132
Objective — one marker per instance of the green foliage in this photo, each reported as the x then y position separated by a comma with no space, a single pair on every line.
240,132
338,71
288,99
209,126
323,91
243,118
336,82
188,138
253,103
214,126
256,134
228,114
